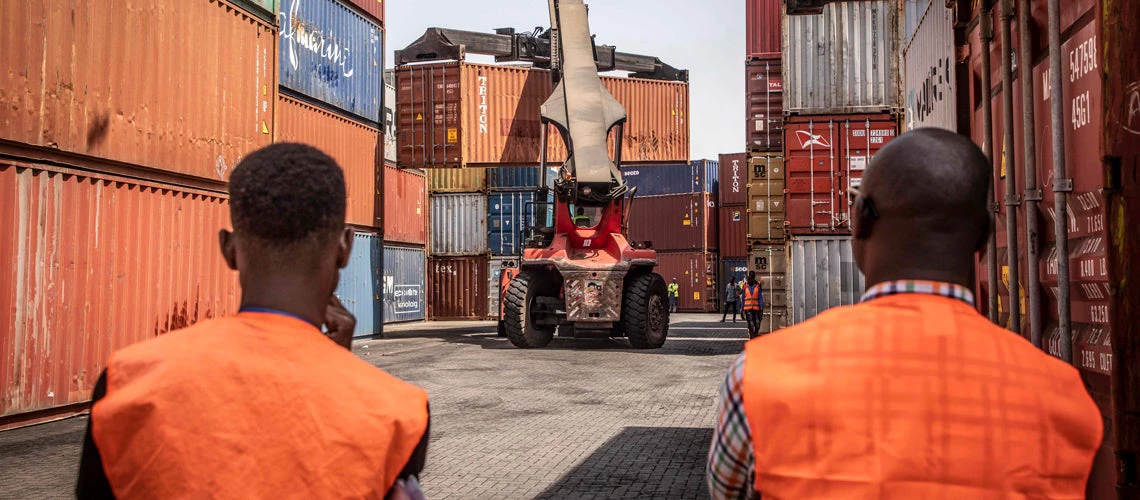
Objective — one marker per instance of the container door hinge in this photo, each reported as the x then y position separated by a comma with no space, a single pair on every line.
1062,185
1013,200
1033,195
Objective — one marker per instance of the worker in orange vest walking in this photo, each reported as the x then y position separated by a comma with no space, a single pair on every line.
753,305
262,404
910,393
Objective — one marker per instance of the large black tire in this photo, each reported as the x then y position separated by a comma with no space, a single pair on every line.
645,311
517,322
501,329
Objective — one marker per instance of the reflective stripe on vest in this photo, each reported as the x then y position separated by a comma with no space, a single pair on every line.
914,396
752,297
257,405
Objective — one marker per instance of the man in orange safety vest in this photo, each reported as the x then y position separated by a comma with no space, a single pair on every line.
753,304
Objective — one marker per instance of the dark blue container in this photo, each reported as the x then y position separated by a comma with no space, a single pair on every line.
729,269
507,215
404,284
518,178
332,54
360,285
699,176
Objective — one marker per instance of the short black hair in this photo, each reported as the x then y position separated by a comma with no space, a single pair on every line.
287,192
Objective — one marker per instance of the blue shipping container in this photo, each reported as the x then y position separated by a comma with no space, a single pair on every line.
507,215
518,178
359,286
699,176
330,53
732,268
404,284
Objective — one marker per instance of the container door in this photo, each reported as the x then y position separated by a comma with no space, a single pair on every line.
766,198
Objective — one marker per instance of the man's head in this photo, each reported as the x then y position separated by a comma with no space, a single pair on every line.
287,207
921,212
752,276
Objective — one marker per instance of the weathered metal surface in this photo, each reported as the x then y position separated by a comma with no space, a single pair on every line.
359,288
732,182
696,275
266,9
699,176
762,28
519,178
389,122
457,180
929,84
680,222
764,105
351,143
507,215
732,230
405,206
374,8
770,262
495,272
73,80
843,61
405,284
732,271
92,264
458,224
766,206
821,274
457,287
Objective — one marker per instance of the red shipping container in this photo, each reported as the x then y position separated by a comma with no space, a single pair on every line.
94,263
824,155
675,222
405,206
351,143
733,179
374,8
457,287
763,28
696,275
733,231
764,105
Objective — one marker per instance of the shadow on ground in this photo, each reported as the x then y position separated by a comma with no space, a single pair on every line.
640,462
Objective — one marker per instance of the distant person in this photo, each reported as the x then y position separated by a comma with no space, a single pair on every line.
730,294
580,217
753,304
261,404
674,294
911,393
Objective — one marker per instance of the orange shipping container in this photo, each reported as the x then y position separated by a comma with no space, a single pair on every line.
352,144
95,263
405,206
182,86
456,114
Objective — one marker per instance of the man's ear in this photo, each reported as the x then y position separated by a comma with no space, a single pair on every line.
228,247
344,247
862,223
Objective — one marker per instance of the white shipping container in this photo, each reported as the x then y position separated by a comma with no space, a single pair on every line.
845,60
389,117
928,58
821,274
495,271
459,224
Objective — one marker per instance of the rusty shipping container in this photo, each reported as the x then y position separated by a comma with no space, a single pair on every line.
762,24
94,263
457,180
696,274
825,154
770,262
204,100
764,105
351,143
454,114
766,206
405,206
457,287
733,231
680,222
733,179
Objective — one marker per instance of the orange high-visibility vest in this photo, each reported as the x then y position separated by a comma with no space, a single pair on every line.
752,297
257,405
914,397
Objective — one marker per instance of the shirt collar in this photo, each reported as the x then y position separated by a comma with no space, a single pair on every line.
268,310
938,288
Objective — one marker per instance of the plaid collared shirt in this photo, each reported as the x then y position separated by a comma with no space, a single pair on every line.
730,467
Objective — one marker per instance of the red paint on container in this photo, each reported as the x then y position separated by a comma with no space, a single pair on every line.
764,105
733,179
457,288
680,222
405,206
696,275
374,8
762,28
733,231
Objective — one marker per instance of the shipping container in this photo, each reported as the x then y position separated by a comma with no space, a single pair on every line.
351,143
770,262
519,178
683,222
508,213
458,224
766,206
455,114
821,274
405,285
825,155
762,27
929,81
662,180
732,230
329,52
405,206
136,83
495,273
732,181
389,122
764,105
457,287
94,263
359,288
457,180
265,9
732,271
374,8
696,274
843,61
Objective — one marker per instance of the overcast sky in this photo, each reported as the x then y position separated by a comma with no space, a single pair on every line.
704,37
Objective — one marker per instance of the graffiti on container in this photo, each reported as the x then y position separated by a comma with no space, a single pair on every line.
180,317
297,32
1132,115
934,90
807,138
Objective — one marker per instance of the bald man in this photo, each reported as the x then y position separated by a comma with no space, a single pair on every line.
910,393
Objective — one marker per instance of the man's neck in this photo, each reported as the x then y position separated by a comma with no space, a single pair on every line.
288,295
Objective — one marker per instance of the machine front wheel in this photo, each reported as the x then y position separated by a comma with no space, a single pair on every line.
518,321
645,311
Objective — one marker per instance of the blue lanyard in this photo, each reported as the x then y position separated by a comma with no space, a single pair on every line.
267,310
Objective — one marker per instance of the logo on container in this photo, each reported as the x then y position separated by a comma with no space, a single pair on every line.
325,46
809,139
482,104
735,176
1132,117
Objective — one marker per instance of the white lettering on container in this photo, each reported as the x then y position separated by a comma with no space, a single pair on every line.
483,105
324,45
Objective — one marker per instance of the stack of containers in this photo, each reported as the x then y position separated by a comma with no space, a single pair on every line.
330,69
675,209
458,263
405,230
512,203
733,218
842,100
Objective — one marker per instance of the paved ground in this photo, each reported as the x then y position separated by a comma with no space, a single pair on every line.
580,419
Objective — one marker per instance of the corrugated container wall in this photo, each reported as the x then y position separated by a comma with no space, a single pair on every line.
93,264
764,105
674,223
732,231
389,123
519,178
766,205
405,206
494,273
659,180
732,271
359,287
843,61
374,8
405,285
351,143
929,80
456,180
266,9
204,101
507,215
732,181
770,262
457,287
696,274
822,274
762,27
458,224
331,53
